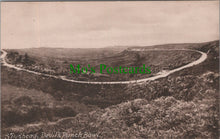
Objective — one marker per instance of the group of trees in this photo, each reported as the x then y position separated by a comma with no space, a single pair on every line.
16,58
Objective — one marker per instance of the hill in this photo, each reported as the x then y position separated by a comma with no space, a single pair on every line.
182,105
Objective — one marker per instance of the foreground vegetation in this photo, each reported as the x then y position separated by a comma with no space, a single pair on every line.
22,106
164,117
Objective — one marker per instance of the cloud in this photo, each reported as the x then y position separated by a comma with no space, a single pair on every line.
101,24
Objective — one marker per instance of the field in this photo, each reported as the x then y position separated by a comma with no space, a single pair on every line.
182,105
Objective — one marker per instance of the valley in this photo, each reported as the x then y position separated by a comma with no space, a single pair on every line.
165,104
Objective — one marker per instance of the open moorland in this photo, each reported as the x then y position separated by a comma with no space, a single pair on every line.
182,105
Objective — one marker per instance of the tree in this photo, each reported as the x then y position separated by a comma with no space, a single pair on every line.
27,61
26,57
19,59
139,59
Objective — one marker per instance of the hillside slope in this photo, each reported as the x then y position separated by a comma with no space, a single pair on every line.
182,105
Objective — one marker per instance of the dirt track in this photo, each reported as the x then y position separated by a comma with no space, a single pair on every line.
164,74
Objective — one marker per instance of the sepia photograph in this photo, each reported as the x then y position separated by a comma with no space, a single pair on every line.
110,69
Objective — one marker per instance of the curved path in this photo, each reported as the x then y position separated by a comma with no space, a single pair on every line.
164,74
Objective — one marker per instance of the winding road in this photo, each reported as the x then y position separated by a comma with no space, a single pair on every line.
202,58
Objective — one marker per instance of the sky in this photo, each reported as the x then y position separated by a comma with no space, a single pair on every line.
103,24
